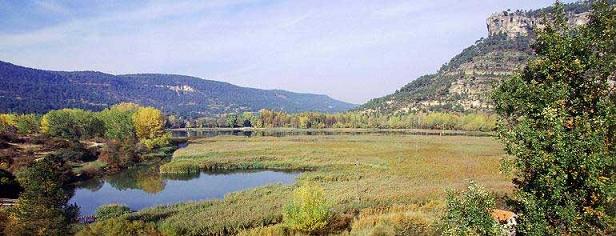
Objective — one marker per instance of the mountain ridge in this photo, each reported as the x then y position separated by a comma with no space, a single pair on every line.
27,89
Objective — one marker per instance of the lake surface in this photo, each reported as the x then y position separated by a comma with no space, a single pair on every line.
199,133
144,187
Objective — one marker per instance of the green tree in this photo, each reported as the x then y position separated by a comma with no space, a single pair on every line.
118,122
42,207
27,124
72,124
60,123
231,120
558,120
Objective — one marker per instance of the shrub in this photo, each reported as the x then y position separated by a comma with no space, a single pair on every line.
309,210
468,213
111,211
119,227
118,154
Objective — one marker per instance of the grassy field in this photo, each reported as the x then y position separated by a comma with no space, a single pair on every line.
367,177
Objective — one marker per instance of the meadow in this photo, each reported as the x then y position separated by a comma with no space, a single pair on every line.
367,178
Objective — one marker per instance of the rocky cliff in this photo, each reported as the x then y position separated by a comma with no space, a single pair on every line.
465,82
519,23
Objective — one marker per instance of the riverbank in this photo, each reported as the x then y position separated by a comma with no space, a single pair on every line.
398,174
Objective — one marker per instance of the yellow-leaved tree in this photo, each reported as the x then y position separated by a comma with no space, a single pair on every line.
149,126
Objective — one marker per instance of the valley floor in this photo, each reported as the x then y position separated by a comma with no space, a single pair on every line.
366,177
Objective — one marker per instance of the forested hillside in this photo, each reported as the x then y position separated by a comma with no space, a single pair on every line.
465,82
25,90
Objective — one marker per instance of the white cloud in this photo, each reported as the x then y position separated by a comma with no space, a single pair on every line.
354,50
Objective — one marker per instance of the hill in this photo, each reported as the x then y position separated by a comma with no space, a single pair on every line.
25,90
465,82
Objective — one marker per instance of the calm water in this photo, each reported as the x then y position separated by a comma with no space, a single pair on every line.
144,187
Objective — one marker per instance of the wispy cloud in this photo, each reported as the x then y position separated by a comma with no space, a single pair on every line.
353,50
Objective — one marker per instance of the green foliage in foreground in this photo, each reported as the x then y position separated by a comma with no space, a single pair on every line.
111,211
559,122
308,211
468,213
42,207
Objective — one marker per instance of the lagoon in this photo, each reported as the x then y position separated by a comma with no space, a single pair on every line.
144,187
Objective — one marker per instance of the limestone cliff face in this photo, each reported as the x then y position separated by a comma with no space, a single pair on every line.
515,24
464,84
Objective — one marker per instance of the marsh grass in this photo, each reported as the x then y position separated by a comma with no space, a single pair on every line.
356,171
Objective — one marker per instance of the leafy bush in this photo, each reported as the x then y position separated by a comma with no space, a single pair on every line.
111,211
468,213
309,210
119,227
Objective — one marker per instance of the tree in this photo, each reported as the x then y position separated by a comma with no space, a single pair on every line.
231,120
149,126
27,124
118,122
60,123
7,121
149,123
72,124
558,120
42,207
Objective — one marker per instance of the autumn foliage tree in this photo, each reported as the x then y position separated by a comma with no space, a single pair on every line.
149,125
558,120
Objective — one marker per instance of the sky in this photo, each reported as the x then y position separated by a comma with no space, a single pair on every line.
351,50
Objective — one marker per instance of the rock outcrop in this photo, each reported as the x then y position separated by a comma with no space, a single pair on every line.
464,83
519,23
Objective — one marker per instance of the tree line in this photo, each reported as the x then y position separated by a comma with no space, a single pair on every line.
121,122
315,120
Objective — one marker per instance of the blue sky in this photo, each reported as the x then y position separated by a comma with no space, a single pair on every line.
351,50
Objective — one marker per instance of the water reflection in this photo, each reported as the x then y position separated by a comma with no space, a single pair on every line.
144,187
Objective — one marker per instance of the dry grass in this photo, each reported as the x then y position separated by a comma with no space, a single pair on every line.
356,171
